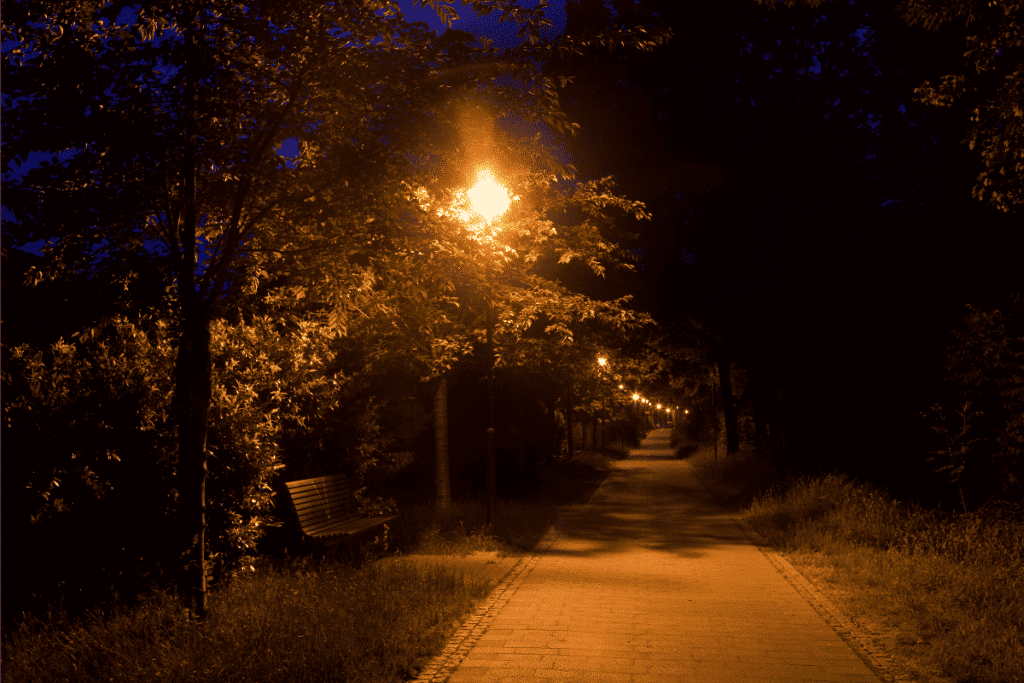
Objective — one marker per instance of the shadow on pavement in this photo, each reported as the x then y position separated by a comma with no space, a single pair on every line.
650,502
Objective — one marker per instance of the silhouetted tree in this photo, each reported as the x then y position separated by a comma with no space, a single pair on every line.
169,123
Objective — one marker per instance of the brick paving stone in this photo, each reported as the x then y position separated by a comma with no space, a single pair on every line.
650,582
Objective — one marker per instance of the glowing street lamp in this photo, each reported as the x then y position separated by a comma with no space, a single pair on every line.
488,197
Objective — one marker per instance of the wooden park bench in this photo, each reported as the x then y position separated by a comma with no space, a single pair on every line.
327,511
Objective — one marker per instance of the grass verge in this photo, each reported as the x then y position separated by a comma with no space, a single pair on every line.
518,524
948,588
944,592
305,620
462,529
735,481
308,621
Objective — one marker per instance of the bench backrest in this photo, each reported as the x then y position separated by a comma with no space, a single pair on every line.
322,501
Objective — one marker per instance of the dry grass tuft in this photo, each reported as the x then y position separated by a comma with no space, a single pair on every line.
304,622
951,584
462,529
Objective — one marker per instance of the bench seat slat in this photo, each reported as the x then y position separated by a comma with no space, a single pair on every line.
332,480
314,516
329,500
314,484
329,513
321,497
323,519
350,527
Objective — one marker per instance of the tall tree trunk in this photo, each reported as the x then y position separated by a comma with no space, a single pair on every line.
729,410
568,420
714,419
760,401
193,396
442,469
193,369
552,424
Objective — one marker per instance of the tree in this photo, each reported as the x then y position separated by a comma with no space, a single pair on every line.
499,280
990,83
170,125
980,444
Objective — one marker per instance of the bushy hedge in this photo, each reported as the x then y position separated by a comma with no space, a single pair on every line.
90,454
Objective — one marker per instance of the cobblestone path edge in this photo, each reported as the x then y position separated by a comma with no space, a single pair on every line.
862,644
441,667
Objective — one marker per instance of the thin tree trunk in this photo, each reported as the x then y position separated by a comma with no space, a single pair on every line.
568,421
193,370
732,434
442,469
714,419
760,401
552,424
193,396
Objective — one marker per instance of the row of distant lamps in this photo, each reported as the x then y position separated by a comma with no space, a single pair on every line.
637,398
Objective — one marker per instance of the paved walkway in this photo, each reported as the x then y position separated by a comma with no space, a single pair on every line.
648,581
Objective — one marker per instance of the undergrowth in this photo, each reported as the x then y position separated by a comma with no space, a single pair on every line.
953,581
462,529
307,621
734,480
949,586
300,620
518,524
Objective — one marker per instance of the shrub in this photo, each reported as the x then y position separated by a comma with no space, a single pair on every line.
90,450
979,443
88,465
299,622
951,582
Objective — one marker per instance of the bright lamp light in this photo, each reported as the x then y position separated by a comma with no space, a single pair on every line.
488,197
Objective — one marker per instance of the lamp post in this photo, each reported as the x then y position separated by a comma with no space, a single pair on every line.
602,363
489,200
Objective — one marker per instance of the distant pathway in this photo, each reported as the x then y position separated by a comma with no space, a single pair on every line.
648,581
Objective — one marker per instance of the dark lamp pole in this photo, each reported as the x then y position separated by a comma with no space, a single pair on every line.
489,199
490,455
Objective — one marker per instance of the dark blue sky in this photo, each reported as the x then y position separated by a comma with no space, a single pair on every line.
503,34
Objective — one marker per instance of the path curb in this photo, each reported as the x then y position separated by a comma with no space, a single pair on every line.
863,645
441,667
